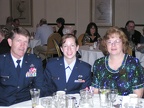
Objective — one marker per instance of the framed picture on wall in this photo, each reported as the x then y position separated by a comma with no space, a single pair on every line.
102,12
22,9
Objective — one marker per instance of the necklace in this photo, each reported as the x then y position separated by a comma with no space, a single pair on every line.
121,67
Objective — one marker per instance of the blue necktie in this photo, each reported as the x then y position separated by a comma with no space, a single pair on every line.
18,67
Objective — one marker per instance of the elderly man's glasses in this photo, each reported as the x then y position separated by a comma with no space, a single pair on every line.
116,42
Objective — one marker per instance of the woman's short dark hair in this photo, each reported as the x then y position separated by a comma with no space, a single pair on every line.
60,20
122,36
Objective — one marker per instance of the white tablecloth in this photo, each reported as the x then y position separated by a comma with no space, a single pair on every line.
96,103
140,56
89,55
33,43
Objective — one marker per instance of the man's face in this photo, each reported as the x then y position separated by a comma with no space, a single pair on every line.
18,45
130,26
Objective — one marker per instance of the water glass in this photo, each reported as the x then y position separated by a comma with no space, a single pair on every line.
44,102
86,98
60,99
104,97
134,101
113,95
70,102
35,93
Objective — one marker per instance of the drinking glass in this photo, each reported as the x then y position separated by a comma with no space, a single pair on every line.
86,98
35,93
134,101
113,95
44,102
104,96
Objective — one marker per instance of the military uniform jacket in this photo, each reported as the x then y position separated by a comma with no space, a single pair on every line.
14,88
80,77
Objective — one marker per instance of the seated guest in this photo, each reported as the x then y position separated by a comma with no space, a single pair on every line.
140,46
91,35
19,71
9,24
68,30
142,37
60,24
67,73
118,69
4,46
42,32
16,22
133,35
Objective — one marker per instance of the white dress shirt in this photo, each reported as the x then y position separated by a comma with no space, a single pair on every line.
68,69
14,60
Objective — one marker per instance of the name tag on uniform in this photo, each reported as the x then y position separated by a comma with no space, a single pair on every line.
79,81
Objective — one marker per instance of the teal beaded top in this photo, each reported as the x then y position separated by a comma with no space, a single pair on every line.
128,77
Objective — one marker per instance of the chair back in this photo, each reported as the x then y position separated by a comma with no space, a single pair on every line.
50,44
129,51
57,48
29,50
80,39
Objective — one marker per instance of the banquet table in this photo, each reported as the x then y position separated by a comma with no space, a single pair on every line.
33,43
140,56
95,99
90,55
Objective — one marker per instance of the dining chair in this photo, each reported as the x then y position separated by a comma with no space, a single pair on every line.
129,51
57,48
29,50
50,45
80,39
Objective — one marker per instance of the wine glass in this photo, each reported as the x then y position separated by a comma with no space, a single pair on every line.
44,102
113,95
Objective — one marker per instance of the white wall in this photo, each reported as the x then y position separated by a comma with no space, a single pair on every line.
4,11
78,12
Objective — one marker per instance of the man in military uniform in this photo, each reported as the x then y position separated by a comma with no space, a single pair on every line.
19,72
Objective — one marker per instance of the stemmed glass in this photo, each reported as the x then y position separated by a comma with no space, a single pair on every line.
113,95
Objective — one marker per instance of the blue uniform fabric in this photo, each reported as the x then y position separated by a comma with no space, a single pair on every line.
14,88
80,77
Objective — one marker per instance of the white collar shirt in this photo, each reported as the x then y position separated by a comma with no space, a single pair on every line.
68,69
15,59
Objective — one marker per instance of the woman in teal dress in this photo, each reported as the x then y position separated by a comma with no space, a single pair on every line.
118,69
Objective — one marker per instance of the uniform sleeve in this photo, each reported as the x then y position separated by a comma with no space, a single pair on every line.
39,80
49,85
88,78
